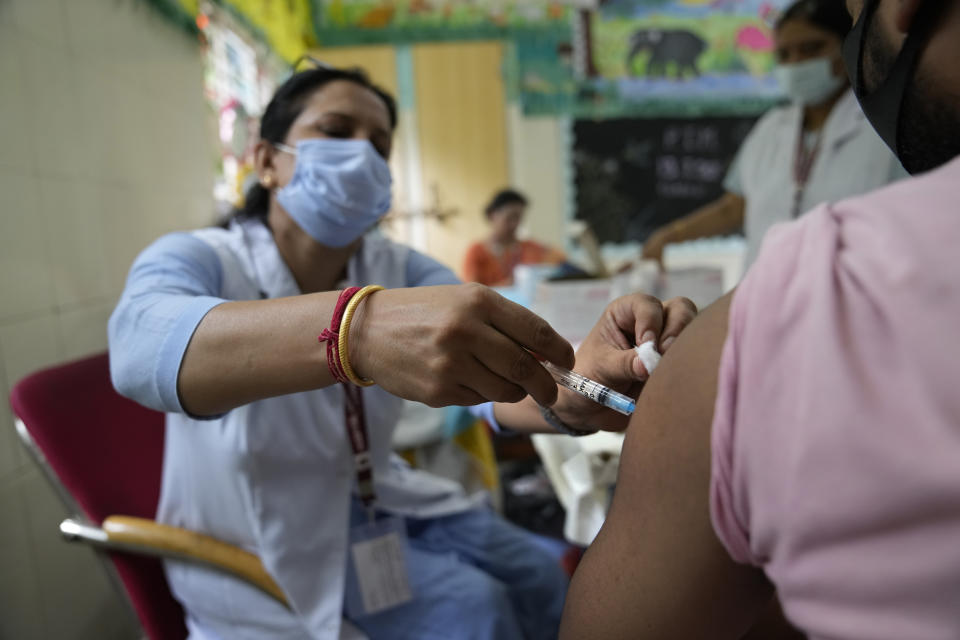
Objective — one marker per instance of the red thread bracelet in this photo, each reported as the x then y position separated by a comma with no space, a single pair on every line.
332,335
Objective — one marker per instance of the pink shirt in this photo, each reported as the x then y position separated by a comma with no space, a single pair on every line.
836,435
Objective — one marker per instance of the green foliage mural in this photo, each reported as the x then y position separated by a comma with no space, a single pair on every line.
658,58
350,22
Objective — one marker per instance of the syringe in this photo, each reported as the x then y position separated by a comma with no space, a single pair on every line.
597,392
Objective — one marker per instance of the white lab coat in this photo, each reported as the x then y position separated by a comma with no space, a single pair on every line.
852,160
275,476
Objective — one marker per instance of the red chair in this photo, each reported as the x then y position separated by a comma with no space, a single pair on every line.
104,455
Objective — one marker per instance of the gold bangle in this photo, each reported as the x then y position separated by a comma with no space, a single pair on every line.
344,331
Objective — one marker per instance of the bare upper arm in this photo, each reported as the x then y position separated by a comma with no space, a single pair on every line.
657,570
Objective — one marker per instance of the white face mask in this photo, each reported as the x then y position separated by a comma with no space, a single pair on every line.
808,83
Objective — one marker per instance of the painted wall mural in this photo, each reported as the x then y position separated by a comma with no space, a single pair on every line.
352,22
658,57
588,58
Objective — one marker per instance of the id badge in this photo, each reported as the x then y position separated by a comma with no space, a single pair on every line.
377,577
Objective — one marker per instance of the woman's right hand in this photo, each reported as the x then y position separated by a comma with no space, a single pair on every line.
653,247
455,345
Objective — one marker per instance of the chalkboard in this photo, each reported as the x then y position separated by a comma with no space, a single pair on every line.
635,175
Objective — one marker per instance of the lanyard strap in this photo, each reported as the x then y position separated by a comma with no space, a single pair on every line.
802,167
360,443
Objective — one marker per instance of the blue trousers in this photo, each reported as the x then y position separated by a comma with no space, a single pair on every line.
474,576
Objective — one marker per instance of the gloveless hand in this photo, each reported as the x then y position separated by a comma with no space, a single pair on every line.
653,247
607,355
455,345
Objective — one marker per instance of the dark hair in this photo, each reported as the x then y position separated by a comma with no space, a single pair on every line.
829,15
285,107
503,198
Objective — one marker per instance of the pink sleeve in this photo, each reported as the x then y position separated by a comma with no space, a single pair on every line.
753,332
835,437
731,532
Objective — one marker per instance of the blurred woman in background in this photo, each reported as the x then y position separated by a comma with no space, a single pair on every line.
491,261
818,148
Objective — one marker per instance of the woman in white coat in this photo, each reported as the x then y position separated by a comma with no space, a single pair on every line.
818,148
219,328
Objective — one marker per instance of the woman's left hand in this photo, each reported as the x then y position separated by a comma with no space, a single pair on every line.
607,355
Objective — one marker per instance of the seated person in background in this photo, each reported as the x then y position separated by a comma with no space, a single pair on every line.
491,261
817,149
803,434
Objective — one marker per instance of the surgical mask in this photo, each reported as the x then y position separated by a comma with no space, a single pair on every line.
883,105
340,188
808,83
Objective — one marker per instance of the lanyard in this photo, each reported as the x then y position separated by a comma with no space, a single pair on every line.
802,166
356,423
360,443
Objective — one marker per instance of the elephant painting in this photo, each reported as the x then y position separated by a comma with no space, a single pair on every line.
665,46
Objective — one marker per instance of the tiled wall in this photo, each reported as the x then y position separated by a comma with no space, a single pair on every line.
105,143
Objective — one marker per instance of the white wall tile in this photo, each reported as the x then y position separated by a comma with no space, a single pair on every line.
71,607
83,331
28,345
14,457
7,24
163,137
10,459
16,118
105,143
87,35
59,141
155,64
179,75
198,212
14,539
127,230
19,457
73,212
41,20
128,158
198,137
92,117
26,281
140,40
20,610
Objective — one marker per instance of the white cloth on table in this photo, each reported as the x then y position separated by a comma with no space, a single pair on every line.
583,472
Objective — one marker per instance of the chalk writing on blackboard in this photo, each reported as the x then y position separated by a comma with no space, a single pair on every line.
634,175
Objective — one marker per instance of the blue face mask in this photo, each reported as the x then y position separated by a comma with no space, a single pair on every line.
339,189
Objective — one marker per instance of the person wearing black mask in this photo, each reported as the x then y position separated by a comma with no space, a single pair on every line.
801,438
910,106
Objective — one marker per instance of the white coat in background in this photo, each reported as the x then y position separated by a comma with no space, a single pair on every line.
852,160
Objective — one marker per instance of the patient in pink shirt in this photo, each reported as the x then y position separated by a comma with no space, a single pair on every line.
836,435
799,443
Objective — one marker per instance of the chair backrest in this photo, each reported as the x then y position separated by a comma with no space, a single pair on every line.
106,452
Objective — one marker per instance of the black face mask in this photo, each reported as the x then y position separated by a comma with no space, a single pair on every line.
883,105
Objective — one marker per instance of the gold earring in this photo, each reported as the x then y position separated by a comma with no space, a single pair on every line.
267,181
